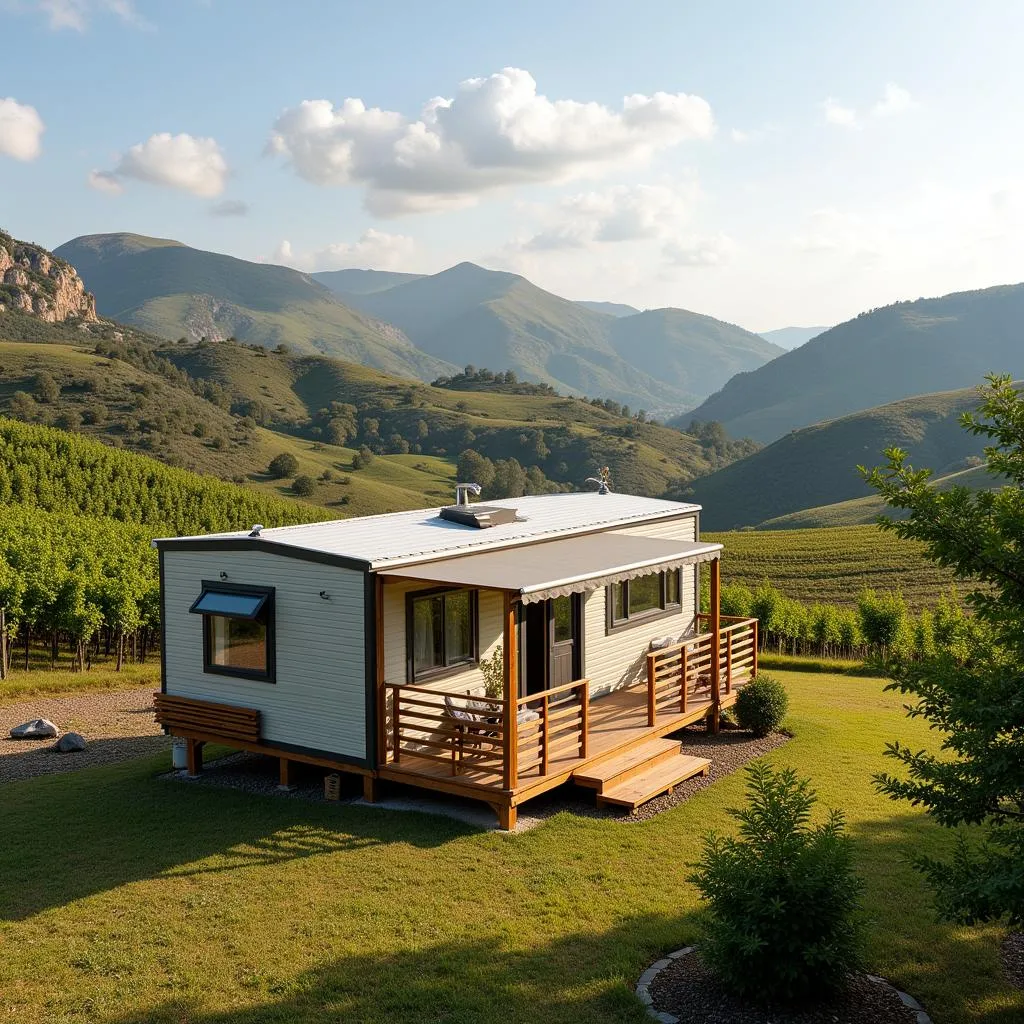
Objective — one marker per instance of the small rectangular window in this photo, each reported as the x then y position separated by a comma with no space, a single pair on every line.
238,630
643,597
442,631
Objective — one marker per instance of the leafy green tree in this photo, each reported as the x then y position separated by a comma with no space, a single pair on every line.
46,388
475,468
971,688
283,465
304,485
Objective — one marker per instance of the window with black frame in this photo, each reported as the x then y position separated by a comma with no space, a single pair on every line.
643,598
238,630
442,632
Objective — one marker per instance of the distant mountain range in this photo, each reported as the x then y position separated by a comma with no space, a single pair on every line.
610,308
658,359
798,480
792,337
172,290
417,325
909,348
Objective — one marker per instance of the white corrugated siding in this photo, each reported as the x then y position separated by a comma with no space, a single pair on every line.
621,658
319,698
491,609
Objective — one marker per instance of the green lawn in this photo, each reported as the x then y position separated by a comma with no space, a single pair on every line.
126,898
20,684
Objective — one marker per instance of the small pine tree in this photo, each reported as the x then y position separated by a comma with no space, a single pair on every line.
782,899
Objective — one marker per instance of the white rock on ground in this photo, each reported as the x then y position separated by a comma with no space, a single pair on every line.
37,729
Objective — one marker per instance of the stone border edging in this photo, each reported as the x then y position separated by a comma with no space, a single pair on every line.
643,990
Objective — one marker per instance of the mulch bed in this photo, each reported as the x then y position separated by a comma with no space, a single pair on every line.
1012,956
688,991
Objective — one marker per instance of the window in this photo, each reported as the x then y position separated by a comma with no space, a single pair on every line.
442,631
238,630
643,598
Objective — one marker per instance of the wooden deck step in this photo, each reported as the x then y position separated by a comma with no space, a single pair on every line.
624,764
661,777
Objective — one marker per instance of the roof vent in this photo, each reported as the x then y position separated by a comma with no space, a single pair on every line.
256,529
478,516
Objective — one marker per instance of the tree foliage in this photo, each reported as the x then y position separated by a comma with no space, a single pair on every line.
971,685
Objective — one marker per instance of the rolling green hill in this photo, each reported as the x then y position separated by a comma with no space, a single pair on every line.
346,283
817,466
172,290
662,360
610,308
881,356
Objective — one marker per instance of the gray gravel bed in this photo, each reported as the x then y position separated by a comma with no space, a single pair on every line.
689,992
255,773
1012,956
117,725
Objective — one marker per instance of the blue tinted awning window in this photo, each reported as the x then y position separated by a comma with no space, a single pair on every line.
236,606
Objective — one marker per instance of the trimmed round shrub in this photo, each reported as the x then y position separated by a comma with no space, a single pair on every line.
761,705
283,465
304,485
782,901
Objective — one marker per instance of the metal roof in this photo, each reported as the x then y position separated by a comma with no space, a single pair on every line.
554,568
398,538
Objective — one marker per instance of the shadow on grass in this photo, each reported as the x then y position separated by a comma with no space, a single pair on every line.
91,831
581,977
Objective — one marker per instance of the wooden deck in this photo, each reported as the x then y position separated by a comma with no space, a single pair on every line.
617,722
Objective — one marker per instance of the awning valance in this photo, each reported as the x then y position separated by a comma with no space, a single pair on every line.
554,568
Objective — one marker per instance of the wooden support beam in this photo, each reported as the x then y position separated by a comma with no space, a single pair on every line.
683,673
507,818
510,734
584,718
369,789
753,670
652,676
194,757
284,780
715,617
382,702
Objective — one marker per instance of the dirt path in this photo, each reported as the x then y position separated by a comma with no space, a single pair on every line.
117,725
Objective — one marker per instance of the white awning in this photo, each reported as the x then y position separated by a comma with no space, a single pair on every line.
554,568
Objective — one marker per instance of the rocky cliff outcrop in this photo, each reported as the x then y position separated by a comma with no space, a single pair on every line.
35,282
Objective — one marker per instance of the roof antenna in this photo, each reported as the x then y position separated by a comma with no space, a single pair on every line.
604,480
256,528
462,492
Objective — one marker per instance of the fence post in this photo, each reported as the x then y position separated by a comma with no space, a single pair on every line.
544,707
716,643
728,662
396,728
753,670
652,708
683,672
584,716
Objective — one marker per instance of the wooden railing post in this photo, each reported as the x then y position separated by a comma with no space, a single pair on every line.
716,643
683,673
652,674
396,728
753,669
728,662
544,708
584,717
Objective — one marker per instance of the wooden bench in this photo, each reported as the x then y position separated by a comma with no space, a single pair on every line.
207,719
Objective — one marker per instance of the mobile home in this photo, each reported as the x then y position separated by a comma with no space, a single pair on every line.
491,651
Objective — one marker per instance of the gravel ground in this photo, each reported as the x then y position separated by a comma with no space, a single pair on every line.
117,725
253,773
1012,955
689,991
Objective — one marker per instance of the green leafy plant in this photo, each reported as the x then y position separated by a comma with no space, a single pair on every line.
493,670
761,705
781,925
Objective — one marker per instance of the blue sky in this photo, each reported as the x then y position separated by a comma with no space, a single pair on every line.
766,164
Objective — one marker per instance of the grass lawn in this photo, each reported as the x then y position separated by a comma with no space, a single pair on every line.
20,684
126,898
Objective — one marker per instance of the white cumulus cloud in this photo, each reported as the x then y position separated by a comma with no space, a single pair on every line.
76,14
377,250
896,100
700,251
495,132
184,162
836,113
21,130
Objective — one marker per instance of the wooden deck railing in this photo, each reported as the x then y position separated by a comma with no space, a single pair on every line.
551,725
485,735
680,673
